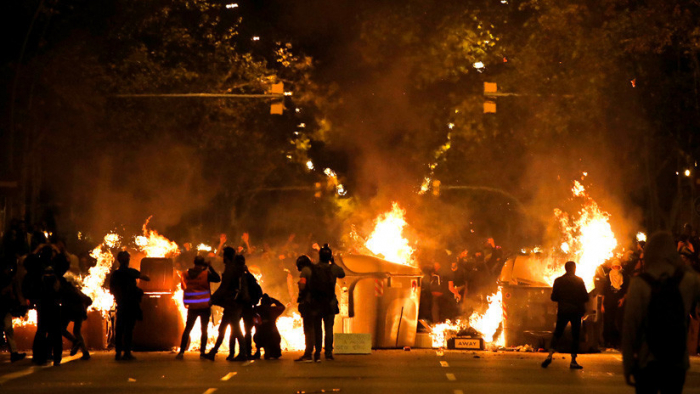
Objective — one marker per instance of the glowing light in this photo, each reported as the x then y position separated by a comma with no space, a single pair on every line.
330,173
231,6
203,248
687,173
478,65
441,332
310,165
341,190
451,125
256,38
387,241
288,93
641,237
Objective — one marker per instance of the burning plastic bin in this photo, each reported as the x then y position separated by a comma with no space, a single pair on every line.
380,298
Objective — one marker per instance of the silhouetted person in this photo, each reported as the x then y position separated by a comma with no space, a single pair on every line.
248,297
48,329
326,297
11,304
310,314
654,336
267,336
226,296
197,299
74,309
127,294
569,292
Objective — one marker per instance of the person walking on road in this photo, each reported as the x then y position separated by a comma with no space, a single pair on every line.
197,299
225,297
122,285
570,293
655,325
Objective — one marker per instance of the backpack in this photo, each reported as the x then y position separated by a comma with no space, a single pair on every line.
249,292
666,318
322,285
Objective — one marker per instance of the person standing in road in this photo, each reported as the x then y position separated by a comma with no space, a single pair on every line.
225,297
325,295
196,297
655,326
310,314
569,292
122,285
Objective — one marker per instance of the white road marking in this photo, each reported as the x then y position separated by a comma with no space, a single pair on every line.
248,363
229,376
459,392
451,376
209,391
444,364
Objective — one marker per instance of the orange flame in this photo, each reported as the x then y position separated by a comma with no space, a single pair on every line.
588,238
156,245
386,240
487,324
92,284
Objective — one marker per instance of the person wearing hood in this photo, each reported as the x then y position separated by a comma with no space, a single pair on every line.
654,334
197,299
614,290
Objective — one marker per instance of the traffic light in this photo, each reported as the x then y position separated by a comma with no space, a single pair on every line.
318,189
489,89
277,105
436,188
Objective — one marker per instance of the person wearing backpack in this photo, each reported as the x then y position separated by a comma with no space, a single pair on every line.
225,297
327,271
658,305
571,296
250,295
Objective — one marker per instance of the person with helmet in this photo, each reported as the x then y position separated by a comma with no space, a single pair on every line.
328,299
197,299
122,285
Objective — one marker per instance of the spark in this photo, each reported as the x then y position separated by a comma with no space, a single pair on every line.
310,165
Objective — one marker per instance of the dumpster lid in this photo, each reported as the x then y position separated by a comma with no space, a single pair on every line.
358,264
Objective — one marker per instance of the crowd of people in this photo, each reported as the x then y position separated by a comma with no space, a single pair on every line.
46,278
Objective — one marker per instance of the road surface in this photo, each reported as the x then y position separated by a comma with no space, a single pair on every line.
384,371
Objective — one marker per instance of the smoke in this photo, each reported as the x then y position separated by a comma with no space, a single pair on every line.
163,180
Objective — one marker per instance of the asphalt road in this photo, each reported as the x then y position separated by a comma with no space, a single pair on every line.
384,371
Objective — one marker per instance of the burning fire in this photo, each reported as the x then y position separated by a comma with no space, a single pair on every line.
588,238
386,239
156,245
486,324
92,285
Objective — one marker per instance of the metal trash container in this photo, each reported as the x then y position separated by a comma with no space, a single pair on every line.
380,298
162,326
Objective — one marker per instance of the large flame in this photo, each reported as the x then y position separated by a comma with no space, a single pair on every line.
387,241
156,245
93,283
487,324
587,239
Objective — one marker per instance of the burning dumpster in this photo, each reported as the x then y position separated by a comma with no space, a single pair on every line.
379,298
161,326
530,315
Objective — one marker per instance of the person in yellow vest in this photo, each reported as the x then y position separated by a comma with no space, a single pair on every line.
197,295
